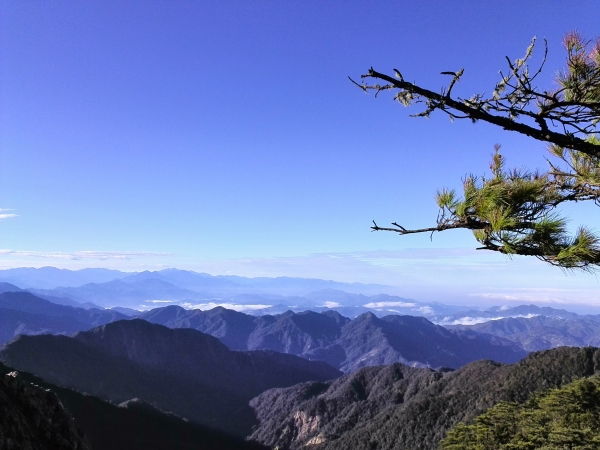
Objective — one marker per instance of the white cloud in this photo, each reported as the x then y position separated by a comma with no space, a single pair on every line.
374,305
235,307
427,310
331,305
475,320
75,256
544,296
4,215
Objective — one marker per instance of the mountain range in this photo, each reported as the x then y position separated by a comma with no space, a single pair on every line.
328,336
141,291
49,278
180,370
541,332
24,313
323,367
347,344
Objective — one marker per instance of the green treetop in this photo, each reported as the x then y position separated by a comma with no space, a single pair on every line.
558,419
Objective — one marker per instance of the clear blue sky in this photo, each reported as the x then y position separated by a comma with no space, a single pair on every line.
226,137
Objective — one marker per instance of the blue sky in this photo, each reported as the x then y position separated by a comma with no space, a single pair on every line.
225,137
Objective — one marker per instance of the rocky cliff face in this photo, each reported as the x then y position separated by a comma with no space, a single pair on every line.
33,418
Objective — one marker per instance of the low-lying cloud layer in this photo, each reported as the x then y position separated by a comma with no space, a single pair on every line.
475,320
233,306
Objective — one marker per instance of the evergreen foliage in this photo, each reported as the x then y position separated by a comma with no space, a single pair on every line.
563,418
514,211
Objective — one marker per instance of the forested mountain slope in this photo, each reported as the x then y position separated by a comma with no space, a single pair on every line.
564,418
34,418
398,407
26,403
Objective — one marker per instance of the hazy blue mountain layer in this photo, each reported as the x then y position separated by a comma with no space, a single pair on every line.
472,317
24,313
51,277
541,332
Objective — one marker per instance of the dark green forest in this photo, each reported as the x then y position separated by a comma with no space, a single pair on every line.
563,418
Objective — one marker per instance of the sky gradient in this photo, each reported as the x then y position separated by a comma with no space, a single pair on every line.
225,137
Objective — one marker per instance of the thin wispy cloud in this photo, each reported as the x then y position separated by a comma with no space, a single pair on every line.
558,296
475,320
6,215
330,305
82,255
390,305
233,306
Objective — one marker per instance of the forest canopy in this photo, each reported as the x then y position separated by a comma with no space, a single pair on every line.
564,418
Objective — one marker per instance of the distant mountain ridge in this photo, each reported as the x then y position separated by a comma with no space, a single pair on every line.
542,332
341,342
146,290
24,313
132,293
51,277
472,317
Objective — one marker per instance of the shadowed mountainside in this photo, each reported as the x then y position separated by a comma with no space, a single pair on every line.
34,418
132,425
183,371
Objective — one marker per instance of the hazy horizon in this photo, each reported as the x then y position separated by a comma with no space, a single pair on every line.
574,297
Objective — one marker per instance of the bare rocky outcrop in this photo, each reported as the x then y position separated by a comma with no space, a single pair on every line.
33,418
